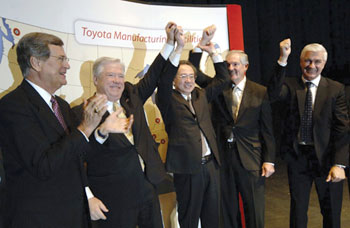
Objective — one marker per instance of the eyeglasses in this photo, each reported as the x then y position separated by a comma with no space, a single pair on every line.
185,76
61,58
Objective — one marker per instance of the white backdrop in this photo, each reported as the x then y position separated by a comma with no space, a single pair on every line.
63,18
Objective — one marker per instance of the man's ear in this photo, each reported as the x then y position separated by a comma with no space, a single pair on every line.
246,66
94,78
36,63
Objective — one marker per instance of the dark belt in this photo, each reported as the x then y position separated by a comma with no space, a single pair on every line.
305,148
207,159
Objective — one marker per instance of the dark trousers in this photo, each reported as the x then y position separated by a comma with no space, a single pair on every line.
147,215
198,196
251,186
301,173
348,177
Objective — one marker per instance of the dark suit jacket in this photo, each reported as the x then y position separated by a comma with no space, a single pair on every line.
42,163
330,119
184,148
114,171
253,126
2,189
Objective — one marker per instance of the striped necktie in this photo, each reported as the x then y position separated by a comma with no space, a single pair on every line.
56,109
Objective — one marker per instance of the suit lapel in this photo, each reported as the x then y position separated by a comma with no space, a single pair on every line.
321,95
195,104
245,98
127,106
182,100
301,94
228,99
43,109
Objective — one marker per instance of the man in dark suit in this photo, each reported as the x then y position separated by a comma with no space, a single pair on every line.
315,140
192,153
241,115
123,169
2,189
42,145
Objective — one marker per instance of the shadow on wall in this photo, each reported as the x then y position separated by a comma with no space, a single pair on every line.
86,82
15,71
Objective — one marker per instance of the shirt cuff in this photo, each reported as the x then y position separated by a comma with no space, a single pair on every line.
87,139
88,193
217,58
340,166
281,64
98,138
175,59
197,50
167,50
270,163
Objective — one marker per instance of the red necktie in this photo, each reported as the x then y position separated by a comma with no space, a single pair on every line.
58,114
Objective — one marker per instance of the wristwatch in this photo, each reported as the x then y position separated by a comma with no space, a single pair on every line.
100,134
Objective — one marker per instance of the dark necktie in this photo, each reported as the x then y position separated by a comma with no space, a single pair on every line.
306,120
58,114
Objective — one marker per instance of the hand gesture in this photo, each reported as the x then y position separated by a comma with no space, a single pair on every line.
208,34
170,32
115,124
210,48
267,169
285,50
180,38
336,174
93,110
97,208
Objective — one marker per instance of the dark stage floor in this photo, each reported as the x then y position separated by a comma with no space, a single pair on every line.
277,202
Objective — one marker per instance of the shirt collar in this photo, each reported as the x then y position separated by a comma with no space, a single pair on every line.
186,97
46,96
241,84
314,82
110,105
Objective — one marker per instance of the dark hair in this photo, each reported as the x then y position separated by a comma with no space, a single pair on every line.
34,44
186,62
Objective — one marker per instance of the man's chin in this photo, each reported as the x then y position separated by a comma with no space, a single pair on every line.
309,77
64,82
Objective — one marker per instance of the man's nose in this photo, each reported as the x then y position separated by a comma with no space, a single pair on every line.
188,79
312,64
66,65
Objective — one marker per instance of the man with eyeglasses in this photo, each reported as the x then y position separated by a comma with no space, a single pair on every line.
192,154
315,136
42,143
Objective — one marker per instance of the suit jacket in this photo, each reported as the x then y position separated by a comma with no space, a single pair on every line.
183,127
114,171
42,163
330,119
252,129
